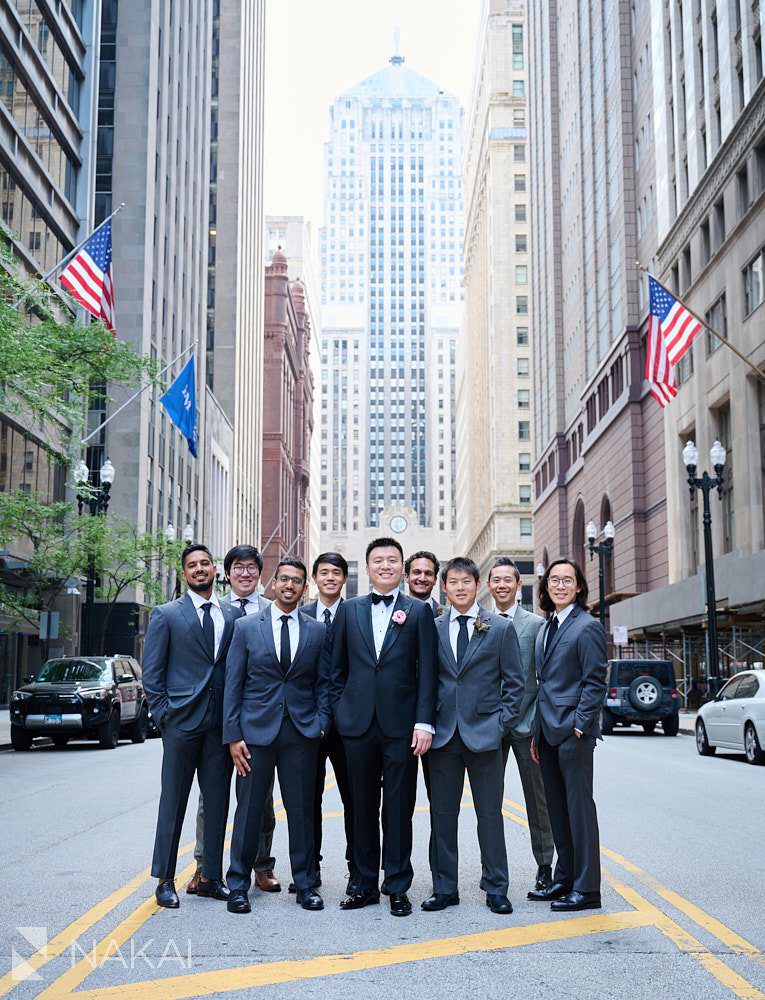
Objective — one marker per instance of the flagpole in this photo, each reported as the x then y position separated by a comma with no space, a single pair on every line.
758,371
271,536
137,394
72,253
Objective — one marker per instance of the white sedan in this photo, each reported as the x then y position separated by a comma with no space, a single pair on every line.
735,720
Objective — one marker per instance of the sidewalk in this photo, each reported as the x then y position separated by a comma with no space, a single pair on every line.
688,722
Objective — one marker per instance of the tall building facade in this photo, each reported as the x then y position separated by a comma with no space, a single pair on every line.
599,435
391,305
495,425
48,86
287,418
710,154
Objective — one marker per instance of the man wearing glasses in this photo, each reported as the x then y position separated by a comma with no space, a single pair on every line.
275,711
243,565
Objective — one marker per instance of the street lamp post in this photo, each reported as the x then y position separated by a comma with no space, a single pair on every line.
603,549
96,499
706,484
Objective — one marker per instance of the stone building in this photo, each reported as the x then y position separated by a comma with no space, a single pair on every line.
494,415
287,418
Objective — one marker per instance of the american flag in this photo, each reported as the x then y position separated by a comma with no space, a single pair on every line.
88,276
671,329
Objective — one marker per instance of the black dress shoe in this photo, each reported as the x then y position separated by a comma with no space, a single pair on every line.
166,894
400,905
554,891
440,900
361,897
214,888
576,901
544,877
498,903
352,886
238,901
384,888
309,899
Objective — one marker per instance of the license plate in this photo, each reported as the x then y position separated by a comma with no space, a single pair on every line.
52,720
613,702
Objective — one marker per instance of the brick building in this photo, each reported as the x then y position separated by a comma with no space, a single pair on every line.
287,418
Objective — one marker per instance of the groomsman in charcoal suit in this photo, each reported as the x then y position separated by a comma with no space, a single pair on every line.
571,665
243,565
384,679
504,583
480,686
184,662
276,709
330,574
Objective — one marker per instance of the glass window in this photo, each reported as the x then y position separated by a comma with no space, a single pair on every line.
748,687
730,690
754,282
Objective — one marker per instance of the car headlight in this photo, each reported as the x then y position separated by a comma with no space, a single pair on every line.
97,694
20,695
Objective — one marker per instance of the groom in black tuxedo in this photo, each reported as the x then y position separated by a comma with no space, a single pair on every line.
383,694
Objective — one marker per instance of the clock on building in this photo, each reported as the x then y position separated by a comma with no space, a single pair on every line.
398,524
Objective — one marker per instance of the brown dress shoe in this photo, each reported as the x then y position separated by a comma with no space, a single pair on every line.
267,881
191,888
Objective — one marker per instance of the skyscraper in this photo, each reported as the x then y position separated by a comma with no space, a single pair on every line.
391,306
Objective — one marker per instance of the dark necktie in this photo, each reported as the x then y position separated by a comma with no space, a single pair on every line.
284,650
208,628
552,628
462,639
327,616
387,599
243,602
504,614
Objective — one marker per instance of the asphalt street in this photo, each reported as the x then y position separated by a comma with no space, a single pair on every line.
684,884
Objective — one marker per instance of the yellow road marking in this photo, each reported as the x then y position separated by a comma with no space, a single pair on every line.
687,943
248,977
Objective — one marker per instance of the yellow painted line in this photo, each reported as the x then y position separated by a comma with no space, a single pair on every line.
688,944
272,973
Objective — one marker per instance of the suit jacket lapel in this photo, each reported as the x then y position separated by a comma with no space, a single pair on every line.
267,632
228,628
189,612
520,621
364,617
302,640
401,603
442,627
561,629
475,640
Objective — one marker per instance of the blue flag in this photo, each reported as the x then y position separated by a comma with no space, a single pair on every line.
180,401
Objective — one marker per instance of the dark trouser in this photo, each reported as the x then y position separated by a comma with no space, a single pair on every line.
372,757
331,748
294,758
567,775
185,754
264,862
542,844
426,775
447,779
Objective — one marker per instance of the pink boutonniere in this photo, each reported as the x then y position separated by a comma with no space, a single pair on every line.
398,617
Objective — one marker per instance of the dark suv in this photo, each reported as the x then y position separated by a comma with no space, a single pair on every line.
81,697
642,692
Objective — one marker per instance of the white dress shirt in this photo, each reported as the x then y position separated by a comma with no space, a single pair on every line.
294,629
561,616
454,625
381,616
215,612
321,608
510,613
251,607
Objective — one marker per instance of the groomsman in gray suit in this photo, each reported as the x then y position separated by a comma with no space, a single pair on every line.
184,663
504,583
571,665
275,712
480,686
243,565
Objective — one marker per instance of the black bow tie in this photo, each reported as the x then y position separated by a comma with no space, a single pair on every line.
387,599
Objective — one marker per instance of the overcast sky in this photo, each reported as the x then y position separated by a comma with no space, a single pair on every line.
315,49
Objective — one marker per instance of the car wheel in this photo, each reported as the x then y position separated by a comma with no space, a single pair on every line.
60,741
139,729
20,738
671,725
648,727
702,743
607,722
754,752
109,733
645,694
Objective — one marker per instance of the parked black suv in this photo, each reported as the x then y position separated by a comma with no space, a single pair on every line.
642,692
81,697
